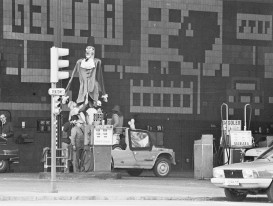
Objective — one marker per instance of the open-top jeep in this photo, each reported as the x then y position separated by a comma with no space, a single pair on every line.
136,153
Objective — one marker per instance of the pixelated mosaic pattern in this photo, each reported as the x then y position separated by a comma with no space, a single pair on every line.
170,57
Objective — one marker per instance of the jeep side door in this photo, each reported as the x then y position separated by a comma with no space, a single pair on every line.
140,145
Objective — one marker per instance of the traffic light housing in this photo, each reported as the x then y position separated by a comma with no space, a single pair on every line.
56,105
56,64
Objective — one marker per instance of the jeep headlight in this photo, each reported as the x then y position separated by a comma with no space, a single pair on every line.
218,173
248,173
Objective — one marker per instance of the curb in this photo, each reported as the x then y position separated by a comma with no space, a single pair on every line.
96,197
86,175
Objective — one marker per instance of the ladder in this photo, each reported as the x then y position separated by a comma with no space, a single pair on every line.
62,159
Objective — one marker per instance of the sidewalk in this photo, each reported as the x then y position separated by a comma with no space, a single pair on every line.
105,186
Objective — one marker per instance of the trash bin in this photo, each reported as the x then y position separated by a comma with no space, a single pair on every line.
203,157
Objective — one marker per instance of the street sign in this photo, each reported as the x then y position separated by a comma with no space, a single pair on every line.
234,125
56,91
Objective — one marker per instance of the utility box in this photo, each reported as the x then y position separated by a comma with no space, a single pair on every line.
102,146
231,156
102,158
100,137
203,157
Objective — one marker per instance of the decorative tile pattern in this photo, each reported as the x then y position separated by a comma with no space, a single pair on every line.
166,62
215,46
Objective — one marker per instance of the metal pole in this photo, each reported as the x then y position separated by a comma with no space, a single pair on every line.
245,116
58,23
58,43
53,146
59,27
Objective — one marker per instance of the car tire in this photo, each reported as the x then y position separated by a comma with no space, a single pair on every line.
135,172
234,195
269,192
162,167
116,147
3,166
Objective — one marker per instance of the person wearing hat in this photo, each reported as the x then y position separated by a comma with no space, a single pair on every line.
67,127
117,122
90,77
77,142
66,139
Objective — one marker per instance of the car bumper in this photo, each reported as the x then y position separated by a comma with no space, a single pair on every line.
241,183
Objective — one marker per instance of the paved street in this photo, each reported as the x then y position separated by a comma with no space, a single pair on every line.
129,202
176,187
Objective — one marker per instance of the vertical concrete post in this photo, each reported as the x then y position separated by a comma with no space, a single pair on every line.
53,147
203,157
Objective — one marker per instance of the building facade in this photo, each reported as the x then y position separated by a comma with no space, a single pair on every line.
168,63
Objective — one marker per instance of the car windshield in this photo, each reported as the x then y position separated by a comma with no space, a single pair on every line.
268,154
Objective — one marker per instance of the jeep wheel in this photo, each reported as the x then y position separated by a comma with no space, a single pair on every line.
116,147
135,172
269,193
162,167
234,195
3,166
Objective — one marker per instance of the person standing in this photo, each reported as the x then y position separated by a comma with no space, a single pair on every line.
66,140
87,161
90,112
6,127
117,122
77,141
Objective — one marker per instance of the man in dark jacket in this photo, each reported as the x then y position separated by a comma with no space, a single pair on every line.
66,140
77,141
6,127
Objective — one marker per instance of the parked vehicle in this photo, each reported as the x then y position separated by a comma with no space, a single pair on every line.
252,153
7,156
136,153
241,179
8,153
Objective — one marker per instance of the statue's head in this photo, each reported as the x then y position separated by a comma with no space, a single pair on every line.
90,49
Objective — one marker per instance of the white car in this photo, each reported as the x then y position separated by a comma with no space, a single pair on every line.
253,153
241,179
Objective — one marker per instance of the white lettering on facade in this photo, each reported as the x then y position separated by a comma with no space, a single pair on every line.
254,27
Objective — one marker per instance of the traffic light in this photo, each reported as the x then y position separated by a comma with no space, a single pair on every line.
56,64
56,106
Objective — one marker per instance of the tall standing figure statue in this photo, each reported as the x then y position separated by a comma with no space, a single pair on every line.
90,77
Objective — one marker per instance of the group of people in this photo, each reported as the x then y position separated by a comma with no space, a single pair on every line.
82,112
75,139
